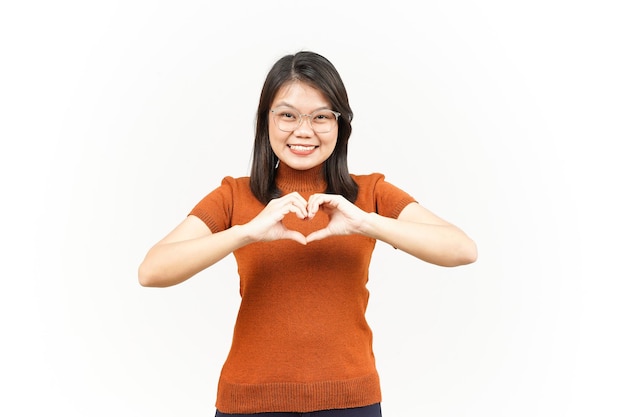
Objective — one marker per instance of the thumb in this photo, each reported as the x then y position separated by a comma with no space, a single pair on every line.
318,235
297,236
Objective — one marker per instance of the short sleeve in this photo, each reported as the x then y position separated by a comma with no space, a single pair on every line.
379,196
216,208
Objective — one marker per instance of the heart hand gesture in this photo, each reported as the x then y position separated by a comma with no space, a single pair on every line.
268,224
345,217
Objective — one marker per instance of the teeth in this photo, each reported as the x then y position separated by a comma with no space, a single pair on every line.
302,148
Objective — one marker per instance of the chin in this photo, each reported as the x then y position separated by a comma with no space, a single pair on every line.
303,166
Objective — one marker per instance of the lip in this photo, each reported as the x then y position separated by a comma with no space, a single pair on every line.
302,149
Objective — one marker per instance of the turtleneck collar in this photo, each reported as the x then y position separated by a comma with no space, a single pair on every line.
307,181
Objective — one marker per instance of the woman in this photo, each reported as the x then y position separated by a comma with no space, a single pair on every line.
302,229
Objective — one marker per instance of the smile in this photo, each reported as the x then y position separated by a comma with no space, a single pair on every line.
302,148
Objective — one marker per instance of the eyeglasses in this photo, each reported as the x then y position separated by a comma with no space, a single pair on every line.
288,119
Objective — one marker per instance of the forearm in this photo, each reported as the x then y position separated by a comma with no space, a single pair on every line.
168,264
444,245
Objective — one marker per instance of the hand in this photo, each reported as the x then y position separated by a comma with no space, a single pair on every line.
268,224
345,217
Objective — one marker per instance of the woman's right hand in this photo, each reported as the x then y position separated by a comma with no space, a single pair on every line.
191,247
268,224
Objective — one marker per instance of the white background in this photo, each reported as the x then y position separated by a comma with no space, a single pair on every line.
506,118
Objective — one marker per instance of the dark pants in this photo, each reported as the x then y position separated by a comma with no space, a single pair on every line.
369,411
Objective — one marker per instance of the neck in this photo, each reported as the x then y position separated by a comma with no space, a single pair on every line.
310,180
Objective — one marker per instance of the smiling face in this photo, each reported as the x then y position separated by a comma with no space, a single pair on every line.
303,148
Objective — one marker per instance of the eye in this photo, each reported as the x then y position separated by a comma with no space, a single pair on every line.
287,115
323,116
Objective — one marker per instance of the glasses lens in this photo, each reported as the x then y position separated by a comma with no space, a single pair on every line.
288,120
323,121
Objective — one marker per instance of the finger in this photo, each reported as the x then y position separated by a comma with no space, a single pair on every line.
297,236
296,204
318,235
318,200
313,204
289,204
298,198
298,210
295,198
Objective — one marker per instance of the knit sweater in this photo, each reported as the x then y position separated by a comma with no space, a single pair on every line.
301,342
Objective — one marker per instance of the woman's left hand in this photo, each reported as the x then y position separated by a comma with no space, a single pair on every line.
345,217
416,230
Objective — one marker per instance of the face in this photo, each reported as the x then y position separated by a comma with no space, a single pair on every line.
303,148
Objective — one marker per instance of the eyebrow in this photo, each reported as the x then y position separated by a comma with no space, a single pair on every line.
285,104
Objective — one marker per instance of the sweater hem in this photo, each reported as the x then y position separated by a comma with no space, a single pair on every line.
297,397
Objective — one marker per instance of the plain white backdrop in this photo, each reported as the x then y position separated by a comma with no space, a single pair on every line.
505,118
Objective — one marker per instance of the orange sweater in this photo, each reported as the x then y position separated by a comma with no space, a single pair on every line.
301,342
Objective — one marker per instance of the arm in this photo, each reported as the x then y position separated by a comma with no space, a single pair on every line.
191,247
185,251
416,231
422,234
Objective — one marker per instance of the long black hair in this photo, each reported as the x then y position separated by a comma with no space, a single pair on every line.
318,72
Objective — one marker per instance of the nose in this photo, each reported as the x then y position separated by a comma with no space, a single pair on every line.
304,128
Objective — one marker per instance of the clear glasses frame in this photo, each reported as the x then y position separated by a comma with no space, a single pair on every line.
288,119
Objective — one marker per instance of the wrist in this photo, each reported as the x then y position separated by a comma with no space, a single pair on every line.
368,224
242,234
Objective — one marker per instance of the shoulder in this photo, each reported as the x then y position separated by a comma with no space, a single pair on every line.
364,180
217,207
236,181
374,181
234,185
376,194
228,189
